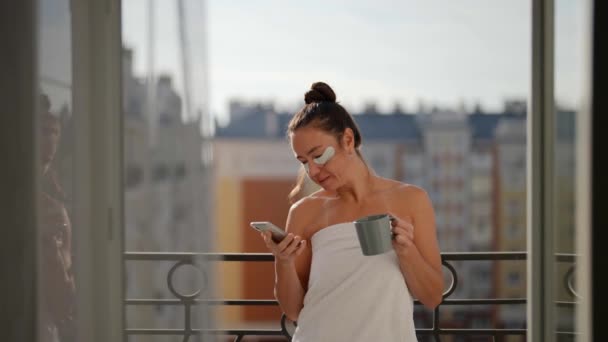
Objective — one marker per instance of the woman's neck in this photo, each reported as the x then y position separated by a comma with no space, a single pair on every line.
359,183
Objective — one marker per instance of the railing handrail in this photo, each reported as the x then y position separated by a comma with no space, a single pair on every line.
184,258
447,256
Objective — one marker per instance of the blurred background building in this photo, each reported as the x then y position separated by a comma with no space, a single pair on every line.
165,182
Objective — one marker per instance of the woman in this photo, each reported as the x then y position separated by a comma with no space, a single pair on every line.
57,281
323,281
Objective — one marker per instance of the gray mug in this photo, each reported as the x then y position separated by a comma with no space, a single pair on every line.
375,234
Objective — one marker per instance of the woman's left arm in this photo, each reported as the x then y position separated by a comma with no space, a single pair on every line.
416,246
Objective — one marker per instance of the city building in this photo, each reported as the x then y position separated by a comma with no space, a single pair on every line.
447,146
254,171
482,206
510,278
165,205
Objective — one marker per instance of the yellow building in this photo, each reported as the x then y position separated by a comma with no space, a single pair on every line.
510,276
252,179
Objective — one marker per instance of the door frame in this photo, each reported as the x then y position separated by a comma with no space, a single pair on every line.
98,188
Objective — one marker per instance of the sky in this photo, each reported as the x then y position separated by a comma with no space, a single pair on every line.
438,52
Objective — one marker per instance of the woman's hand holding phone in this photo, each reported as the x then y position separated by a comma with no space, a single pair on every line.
286,250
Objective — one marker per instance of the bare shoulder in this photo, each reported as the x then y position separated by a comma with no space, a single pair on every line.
409,192
303,212
400,189
412,191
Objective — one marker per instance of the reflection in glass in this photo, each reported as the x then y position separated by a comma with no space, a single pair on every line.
57,280
57,290
165,188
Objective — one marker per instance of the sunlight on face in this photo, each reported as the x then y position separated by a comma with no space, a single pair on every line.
308,143
327,154
316,149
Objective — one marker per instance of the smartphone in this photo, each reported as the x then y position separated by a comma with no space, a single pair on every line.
277,233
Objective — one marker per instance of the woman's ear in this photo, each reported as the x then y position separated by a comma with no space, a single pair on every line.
348,140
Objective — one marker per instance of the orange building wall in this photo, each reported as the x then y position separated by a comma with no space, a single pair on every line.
262,200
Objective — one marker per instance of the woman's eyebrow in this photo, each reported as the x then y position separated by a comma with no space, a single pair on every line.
310,151
313,149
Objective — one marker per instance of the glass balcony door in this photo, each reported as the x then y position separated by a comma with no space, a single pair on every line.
558,226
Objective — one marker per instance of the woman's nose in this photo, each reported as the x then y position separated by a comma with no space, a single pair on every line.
313,169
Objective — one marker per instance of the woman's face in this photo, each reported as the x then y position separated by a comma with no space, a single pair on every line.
50,130
321,155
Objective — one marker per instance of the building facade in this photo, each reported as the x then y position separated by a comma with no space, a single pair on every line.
165,199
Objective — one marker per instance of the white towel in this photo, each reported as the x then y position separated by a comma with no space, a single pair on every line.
352,297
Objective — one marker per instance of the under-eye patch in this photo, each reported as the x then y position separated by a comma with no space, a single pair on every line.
324,158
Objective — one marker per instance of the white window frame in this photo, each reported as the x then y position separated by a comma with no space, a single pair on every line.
98,189
541,183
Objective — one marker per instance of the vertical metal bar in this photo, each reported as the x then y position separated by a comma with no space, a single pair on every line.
540,175
187,316
436,324
549,205
534,186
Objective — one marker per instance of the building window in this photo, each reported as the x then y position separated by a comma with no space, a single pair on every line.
513,231
514,208
161,172
480,323
180,170
134,176
513,279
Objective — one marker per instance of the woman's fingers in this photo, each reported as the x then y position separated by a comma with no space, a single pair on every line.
301,247
403,225
285,242
400,220
292,246
401,230
401,239
401,234
267,239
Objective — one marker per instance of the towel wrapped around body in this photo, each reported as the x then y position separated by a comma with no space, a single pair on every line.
352,297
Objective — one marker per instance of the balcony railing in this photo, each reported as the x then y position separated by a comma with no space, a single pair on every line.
188,301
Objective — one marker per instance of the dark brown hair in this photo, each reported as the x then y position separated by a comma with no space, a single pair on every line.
50,180
323,112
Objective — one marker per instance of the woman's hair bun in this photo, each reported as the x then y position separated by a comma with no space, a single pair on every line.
319,92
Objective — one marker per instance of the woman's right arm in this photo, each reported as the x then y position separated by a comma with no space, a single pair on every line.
292,265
